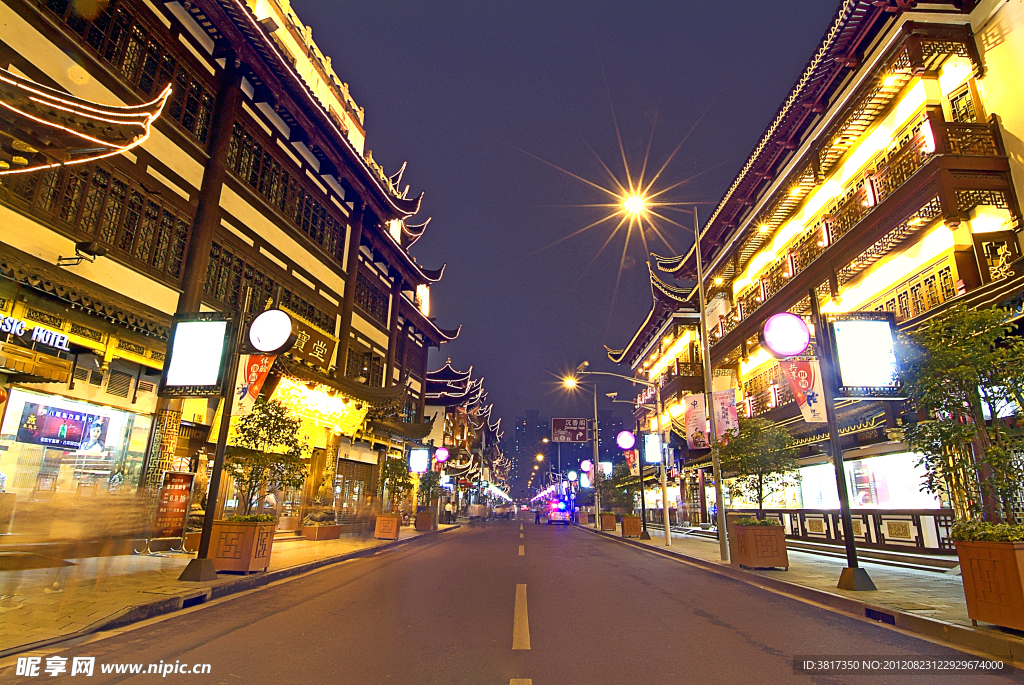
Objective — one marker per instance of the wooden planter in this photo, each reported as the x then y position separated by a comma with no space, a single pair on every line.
241,547
425,521
583,518
387,526
759,547
993,577
321,532
632,526
607,521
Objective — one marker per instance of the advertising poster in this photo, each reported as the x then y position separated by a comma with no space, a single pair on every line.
172,505
62,429
633,461
804,376
696,422
252,372
726,415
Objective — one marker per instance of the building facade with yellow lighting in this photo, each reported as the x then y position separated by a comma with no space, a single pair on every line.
247,172
887,181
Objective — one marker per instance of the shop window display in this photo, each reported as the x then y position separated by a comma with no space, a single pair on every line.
53,446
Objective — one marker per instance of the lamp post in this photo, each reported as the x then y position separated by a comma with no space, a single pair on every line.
571,382
709,397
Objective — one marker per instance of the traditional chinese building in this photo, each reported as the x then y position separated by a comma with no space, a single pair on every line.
666,350
886,181
462,423
189,154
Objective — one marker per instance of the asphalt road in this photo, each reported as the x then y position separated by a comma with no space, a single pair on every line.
450,610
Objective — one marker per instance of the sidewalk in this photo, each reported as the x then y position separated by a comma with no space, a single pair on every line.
902,593
47,604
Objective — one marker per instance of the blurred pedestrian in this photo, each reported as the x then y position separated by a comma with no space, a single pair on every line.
536,515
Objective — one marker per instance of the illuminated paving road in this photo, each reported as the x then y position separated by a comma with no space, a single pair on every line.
489,604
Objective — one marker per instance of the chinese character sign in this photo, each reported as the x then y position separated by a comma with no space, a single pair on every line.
804,376
252,372
173,504
312,345
696,422
569,430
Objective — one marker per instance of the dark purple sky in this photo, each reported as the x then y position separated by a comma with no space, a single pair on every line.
455,88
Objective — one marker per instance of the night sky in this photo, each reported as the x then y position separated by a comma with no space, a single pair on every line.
466,92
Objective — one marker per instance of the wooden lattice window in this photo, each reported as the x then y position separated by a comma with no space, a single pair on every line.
961,106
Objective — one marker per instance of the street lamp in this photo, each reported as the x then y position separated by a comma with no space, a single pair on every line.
581,370
709,398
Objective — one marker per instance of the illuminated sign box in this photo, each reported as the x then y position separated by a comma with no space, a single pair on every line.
652,448
864,347
198,352
419,461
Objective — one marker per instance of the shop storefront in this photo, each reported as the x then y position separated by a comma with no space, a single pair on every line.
52,445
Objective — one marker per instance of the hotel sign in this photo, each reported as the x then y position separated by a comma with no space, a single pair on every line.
40,334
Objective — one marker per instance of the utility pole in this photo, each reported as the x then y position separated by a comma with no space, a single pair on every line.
663,436
597,468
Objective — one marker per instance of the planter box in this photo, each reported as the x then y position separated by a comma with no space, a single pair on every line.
607,521
241,547
993,577
425,521
289,523
387,526
583,518
759,547
321,532
632,526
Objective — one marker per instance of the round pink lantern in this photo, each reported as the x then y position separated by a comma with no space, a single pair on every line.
586,465
785,335
441,454
625,440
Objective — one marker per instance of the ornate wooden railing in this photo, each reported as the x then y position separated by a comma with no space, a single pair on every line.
930,136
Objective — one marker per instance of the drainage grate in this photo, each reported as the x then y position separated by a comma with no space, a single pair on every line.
876,615
193,601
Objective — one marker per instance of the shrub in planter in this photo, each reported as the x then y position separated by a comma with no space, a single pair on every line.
992,568
758,543
243,543
607,521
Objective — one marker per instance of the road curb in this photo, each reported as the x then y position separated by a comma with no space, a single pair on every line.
199,595
975,639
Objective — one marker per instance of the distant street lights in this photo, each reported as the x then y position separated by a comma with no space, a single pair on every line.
572,382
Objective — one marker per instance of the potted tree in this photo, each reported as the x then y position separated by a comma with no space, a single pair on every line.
395,483
955,368
618,492
761,454
428,491
264,456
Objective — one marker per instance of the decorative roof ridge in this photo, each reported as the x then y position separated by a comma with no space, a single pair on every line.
400,205
673,292
449,370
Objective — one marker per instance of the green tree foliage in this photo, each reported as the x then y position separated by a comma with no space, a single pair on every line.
265,454
621,490
761,454
953,368
430,487
395,481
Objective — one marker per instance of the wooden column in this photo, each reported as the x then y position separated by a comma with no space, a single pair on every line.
393,331
164,437
423,379
227,103
352,264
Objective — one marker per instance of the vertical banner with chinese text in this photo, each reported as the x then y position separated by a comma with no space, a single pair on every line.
696,422
804,376
252,372
726,416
